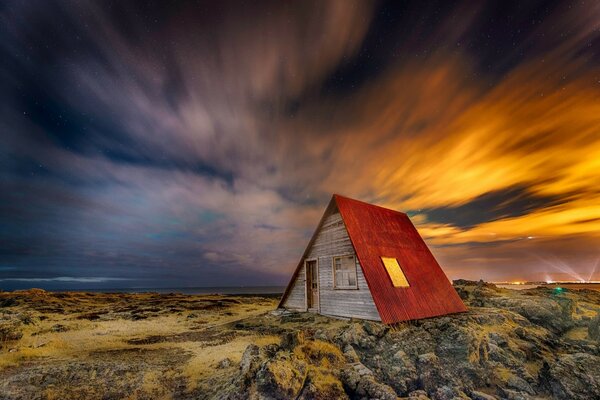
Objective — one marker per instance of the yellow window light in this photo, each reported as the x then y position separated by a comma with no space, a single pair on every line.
395,272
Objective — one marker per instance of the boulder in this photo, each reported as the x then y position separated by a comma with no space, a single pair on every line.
249,361
360,381
332,390
554,314
572,376
375,329
493,347
429,372
401,374
350,354
519,384
282,377
498,339
356,335
448,393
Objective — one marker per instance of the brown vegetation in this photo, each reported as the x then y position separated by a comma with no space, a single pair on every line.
98,345
511,344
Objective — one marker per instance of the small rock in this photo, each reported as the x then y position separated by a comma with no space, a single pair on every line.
448,393
520,332
376,390
224,363
331,391
59,328
475,395
400,355
351,354
249,360
498,339
320,334
356,335
510,394
290,340
280,312
375,329
418,395
269,350
362,370
519,384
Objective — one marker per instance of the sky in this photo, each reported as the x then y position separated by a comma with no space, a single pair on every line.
170,144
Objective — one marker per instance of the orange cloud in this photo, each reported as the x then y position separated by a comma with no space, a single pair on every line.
435,139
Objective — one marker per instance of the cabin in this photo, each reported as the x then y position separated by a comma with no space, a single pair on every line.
369,262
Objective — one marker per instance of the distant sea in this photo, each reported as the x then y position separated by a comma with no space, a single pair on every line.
564,285
272,290
517,287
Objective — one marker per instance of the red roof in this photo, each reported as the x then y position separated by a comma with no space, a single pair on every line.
378,232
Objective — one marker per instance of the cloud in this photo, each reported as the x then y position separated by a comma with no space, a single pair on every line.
202,144
429,135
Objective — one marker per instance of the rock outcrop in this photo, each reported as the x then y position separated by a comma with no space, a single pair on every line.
510,345
531,344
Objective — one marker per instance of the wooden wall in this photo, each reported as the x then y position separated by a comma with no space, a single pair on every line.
296,299
333,240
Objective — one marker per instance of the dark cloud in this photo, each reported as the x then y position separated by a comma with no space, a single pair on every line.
506,203
197,143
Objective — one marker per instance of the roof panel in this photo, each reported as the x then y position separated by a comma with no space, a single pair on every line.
375,232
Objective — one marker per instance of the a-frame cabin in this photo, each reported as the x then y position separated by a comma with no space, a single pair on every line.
369,262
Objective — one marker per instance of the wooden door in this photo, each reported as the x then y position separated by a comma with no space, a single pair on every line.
312,285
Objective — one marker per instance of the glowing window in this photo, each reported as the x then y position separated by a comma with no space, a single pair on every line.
395,272
344,272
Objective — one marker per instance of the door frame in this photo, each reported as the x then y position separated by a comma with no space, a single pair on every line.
307,290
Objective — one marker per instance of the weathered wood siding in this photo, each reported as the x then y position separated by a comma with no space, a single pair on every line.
333,240
296,299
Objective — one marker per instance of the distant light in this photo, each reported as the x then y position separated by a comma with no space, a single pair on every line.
549,282
530,237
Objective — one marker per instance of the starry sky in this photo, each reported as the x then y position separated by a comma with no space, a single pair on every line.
170,144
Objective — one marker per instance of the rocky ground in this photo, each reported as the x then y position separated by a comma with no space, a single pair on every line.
532,344
119,346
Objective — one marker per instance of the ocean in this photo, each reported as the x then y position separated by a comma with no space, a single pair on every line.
239,290
564,285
